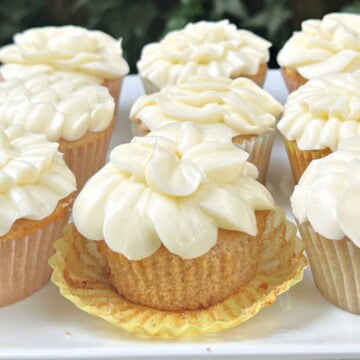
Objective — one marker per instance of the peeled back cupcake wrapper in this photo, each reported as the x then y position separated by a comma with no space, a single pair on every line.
83,279
259,149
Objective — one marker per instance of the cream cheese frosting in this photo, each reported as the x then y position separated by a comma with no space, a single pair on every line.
203,48
330,45
33,177
174,187
239,104
323,112
59,105
328,194
68,48
24,72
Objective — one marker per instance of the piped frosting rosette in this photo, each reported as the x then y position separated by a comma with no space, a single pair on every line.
166,187
59,105
323,112
177,187
33,177
203,48
328,194
68,48
239,104
322,47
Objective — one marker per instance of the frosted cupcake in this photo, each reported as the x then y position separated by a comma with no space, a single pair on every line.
70,48
318,116
206,49
36,195
249,112
67,108
326,204
322,47
178,217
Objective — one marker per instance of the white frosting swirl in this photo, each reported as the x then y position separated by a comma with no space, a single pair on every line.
174,187
322,47
323,112
203,48
239,104
59,105
24,72
68,48
328,194
33,177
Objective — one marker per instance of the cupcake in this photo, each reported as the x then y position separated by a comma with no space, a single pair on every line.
70,48
326,204
207,49
179,219
245,109
36,195
322,47
318,116
69,109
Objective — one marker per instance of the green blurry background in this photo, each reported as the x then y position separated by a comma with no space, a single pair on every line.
139,22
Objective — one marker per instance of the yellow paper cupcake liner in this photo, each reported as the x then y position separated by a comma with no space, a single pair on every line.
82,278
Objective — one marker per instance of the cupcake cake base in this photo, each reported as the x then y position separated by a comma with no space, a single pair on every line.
81,274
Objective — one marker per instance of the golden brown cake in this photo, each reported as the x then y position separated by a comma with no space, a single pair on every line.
36,200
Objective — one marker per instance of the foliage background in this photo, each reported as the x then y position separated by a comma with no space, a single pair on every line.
139,22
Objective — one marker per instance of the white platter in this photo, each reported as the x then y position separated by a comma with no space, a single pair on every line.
300,325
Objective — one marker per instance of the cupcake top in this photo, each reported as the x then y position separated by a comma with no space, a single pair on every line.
174,187
239,104
323,112
328,194
203,48
59,105
33,177
330,45
68,48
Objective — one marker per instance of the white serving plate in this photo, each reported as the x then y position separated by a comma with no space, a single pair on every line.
300,325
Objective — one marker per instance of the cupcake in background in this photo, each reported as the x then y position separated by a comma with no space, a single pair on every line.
318,116
322,47
70,48
36,194
326,204
69,109
207,49
249,113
